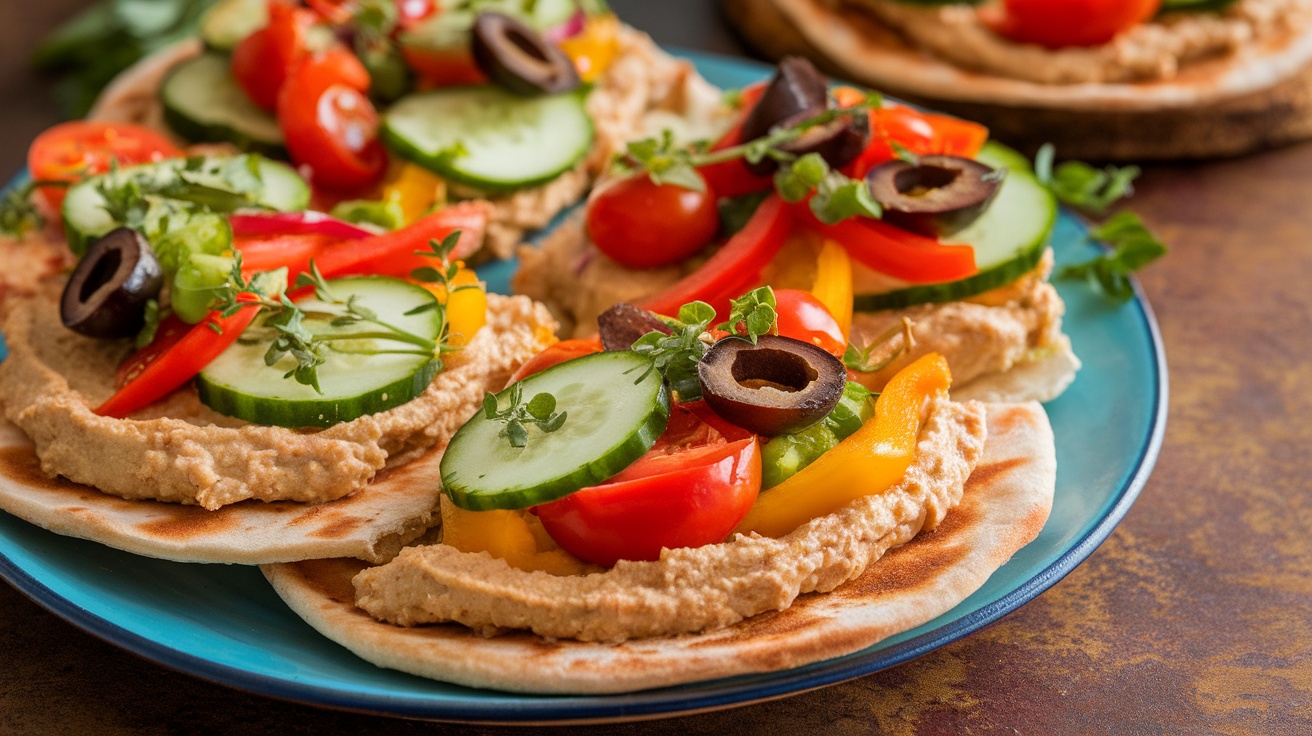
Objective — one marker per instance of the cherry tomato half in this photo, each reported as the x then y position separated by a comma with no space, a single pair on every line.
75,150
803,317
641,224
679,495
328,122
1057,23
262,60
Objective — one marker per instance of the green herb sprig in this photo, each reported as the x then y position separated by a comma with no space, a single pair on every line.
834,196
860,359
1082,186
540,411
752,314
1133,246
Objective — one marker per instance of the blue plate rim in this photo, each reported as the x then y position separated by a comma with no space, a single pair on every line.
732,692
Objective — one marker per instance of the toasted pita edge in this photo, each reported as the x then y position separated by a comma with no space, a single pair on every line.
372,523
1007,501
1229,107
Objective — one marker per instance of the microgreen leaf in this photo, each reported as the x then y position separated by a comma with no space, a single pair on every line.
839,197
540,411
752,314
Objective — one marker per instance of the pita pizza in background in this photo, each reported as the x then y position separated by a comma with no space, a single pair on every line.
1177,97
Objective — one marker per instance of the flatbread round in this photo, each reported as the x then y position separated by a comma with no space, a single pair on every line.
1006,502
1223,106
372,523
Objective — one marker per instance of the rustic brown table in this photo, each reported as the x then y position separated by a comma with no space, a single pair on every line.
1194,617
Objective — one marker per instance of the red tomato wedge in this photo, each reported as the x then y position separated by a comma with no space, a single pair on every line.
329,123
802,316
160,369
1058,23
262,60
922,133
683,493
735,266
75,150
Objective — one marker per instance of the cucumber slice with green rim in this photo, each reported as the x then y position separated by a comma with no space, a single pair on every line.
87,215
204,104
1009,238
239,384
489,138
612,420
227,22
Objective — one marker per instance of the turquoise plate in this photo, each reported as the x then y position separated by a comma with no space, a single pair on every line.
226,625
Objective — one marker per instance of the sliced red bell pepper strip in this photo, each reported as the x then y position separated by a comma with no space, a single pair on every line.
736,265
269,252
309,222
895,252
921,133
179,363
393,254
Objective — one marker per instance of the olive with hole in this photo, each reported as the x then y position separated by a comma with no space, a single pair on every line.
935,196
838,141
797,87
622,325
517,57
774,387
106,295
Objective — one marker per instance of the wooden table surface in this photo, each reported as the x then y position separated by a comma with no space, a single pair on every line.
1194,617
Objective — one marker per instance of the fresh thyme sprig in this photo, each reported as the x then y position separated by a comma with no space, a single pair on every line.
19,215
1082,186
540,411
289,334
445,275
834,196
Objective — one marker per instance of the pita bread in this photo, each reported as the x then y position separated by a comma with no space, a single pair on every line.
372,523
1005,504
1222,106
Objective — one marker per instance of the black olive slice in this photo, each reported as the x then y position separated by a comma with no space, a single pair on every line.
622,325
517,57
777,386
797,87
106,295
938,197
838,142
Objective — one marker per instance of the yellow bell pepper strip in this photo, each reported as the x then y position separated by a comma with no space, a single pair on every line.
415,188
507,535
870,461
593,50
466,309
833,283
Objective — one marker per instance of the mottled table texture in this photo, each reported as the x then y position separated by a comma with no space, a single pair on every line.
1194,617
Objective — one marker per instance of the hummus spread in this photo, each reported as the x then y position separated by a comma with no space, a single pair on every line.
179,450
693,589
1151,51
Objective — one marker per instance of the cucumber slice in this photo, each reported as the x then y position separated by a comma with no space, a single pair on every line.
239,384
489,138
1009,238
613,419
270,184
203,103
227,22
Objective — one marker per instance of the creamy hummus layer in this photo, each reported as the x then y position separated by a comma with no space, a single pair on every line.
982,336
178,450
1156,50
692,589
